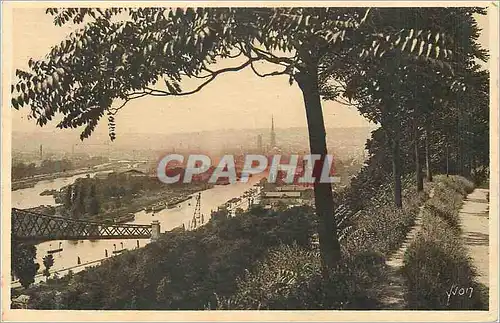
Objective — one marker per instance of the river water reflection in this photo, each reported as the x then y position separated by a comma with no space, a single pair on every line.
90,251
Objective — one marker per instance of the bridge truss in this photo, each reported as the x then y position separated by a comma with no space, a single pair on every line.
32,226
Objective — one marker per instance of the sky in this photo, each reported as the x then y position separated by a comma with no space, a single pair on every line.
238,100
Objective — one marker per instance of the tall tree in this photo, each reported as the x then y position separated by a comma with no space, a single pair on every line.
92,201
399,92
48,262
107,63
68,197
23,264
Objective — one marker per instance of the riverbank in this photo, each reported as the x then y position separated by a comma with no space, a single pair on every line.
32,181
91,251
151,202
115,196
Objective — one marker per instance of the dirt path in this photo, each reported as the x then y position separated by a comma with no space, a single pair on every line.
474,219
475,230
392,295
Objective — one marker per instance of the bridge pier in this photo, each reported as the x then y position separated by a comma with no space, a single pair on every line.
155,232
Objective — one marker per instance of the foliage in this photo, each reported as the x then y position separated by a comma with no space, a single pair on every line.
372,179
458,184
21,170
414,102
290,278
183,270
446,203
23,264
221,214
379,226
234,262
48,261
436,261
399,76
108,59
91,197
124,59
460,141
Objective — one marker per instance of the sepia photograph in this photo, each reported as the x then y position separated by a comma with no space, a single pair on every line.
296,161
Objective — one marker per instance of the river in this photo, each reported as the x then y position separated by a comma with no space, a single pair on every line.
90,252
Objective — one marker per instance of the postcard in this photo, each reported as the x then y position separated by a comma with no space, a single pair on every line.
250,161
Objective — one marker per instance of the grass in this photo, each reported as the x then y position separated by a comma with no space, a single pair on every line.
290,277
436,264
381,227
183,270
253,261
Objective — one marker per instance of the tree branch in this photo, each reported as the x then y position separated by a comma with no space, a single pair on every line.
158,92
201,77
236,55
346,103
283,61
285,71
113,111
139,95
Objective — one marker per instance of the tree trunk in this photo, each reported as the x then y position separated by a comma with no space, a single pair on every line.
460,167
473,168
418,166
327,231
460,151
396,172
427,156
447,161
467,156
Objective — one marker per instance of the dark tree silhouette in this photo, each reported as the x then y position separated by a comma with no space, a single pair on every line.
23,264
48,261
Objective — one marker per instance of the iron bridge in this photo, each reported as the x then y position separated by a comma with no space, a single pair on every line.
32,226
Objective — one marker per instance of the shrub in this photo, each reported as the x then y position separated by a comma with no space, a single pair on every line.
381,227
184,270
457,183
436,264
259,259
444,212
448,199
290,278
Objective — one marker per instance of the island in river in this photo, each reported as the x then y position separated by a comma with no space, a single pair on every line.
115,197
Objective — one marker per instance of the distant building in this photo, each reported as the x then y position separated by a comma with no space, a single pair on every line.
281,195
134,173
292,188
101,175
259,144
273,134
275,198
